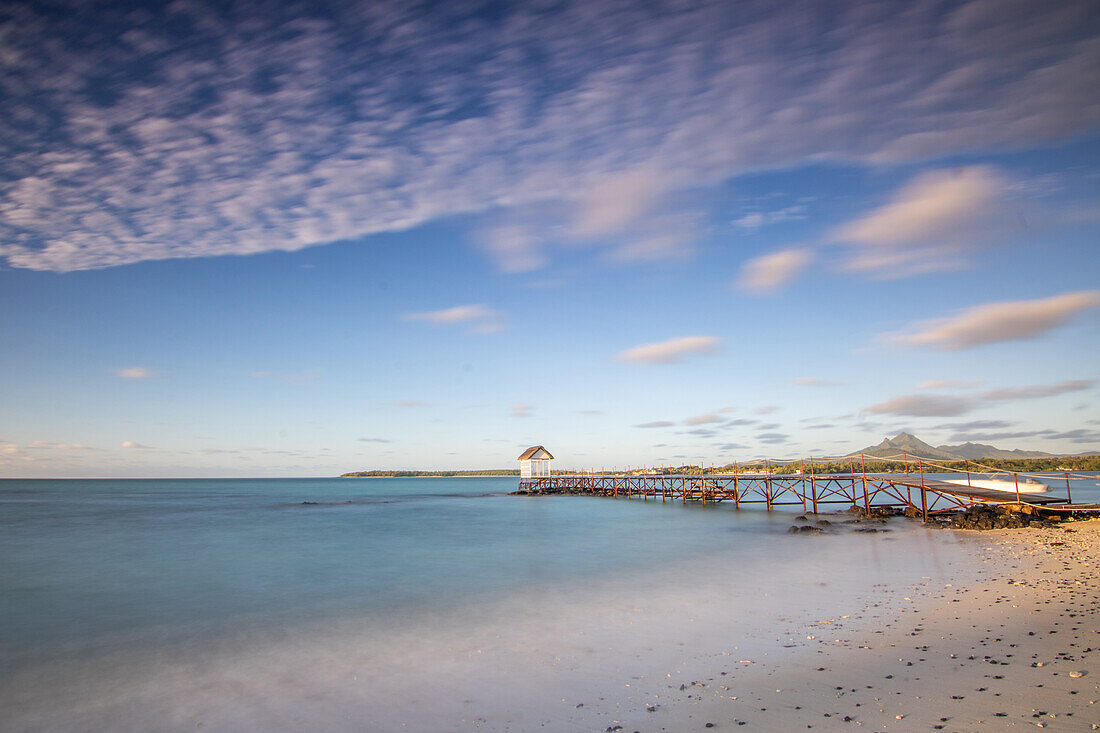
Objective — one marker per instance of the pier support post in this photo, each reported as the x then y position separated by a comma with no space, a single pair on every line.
863,469
813,484
1069,496
768,483
923,494
802,480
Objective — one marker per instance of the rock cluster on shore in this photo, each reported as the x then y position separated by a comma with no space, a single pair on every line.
999,516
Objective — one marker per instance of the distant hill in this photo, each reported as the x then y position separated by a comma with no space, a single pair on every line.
981,450
917,448
905,443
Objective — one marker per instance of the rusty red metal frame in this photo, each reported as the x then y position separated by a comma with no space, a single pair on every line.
808,490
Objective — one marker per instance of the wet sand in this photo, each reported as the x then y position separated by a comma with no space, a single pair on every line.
1015,650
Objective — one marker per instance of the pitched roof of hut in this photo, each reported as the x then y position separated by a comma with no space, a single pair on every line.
530,453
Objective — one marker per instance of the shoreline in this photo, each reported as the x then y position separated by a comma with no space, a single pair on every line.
762,632
1016,649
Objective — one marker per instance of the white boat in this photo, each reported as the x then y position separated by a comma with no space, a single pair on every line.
1009,486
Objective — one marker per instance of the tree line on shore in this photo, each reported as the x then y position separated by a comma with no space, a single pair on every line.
432,474
1011,465
822,467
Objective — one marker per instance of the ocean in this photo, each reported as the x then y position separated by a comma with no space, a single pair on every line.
401,604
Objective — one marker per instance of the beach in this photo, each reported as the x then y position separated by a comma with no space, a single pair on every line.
1014,649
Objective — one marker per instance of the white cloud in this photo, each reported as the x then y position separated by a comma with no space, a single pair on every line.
944,384
208,152
671,351
656,424
814,382
616,202
995,322
931,224
134,372
520,410
754,220
46,445
480,318
1038,391
513,248
702,419
770,272
925,405
132,444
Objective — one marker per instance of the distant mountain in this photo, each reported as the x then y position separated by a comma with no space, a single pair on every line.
904,443
974,451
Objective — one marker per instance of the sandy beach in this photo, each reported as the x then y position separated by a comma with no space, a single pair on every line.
1015,650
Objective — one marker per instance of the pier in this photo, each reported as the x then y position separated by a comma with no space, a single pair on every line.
913,492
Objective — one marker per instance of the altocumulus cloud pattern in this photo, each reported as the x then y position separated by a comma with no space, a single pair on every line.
195,128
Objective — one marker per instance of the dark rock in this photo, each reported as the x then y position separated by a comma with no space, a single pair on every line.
804,529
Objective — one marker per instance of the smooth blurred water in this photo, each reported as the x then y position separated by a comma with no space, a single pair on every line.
130,600
88,561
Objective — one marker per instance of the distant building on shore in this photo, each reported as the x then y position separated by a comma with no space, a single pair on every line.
535,463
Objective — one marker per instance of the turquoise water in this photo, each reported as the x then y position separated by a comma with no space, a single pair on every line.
88,561
153,604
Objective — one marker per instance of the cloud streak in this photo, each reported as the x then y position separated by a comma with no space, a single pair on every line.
521,410
997,322
192,137
930,224
671,351
768,273
134,372
929,405
702,419
480,318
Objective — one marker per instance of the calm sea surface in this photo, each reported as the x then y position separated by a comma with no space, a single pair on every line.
89,561
94,570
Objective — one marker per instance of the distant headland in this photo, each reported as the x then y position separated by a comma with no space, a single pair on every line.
477,473
953,457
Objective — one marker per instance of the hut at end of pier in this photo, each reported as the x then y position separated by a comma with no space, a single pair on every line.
535,463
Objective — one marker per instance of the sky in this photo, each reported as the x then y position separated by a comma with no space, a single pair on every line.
299,239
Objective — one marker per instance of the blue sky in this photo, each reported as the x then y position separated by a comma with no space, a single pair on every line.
251,239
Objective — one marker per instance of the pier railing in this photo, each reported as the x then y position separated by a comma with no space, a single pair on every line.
913,491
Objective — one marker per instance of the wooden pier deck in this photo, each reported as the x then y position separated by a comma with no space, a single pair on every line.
914,493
